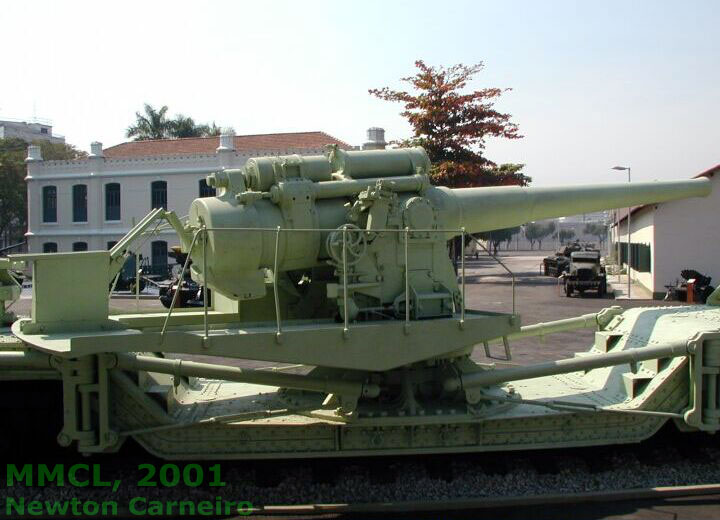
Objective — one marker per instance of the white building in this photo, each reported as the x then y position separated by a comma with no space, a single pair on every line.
669,237
29,132
89,204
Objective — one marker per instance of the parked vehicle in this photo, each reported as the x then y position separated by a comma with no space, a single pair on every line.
585,273
191,293
126,277
558,263
701,287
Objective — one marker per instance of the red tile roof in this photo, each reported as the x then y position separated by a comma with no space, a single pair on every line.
206,145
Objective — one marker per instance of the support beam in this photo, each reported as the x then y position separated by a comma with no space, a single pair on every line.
180,367
565,366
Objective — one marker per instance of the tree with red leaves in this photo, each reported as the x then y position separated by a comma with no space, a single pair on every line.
452,126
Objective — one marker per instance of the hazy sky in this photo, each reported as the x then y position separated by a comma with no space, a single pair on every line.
594,83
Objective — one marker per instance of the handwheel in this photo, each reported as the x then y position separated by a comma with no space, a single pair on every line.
355,244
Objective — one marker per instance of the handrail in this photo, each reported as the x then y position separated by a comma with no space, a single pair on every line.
512,275
204,230
178,290
278,334
346,328
462,278
204,287
407,282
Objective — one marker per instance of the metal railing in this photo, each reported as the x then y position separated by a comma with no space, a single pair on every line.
277,231
512,275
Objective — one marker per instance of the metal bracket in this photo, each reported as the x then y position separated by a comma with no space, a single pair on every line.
704,412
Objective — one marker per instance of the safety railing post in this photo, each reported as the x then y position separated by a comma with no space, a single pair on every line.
462,278
204,288
278,333
407,281
512,275
345,287
179,286
137,281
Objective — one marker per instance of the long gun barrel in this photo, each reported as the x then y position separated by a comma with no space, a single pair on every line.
484,209
288,214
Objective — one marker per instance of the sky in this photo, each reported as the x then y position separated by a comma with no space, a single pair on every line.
594,84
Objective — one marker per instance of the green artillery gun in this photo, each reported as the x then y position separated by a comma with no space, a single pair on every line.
339,263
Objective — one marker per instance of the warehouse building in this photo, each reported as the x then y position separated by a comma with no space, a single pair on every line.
669,237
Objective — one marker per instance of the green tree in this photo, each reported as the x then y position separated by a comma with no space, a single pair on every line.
184,126
13,195
59,151
497,237
13,190
453,125
153,124
213,130
536,232
566,235
597,230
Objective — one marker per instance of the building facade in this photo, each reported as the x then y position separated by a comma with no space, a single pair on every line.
89,204
29,132
669,237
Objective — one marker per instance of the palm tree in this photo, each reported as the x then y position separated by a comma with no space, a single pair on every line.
153,125
184,126
213,130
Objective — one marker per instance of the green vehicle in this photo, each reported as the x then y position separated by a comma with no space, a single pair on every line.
585,273
126,278
339,262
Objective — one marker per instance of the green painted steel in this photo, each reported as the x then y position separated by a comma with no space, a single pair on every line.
339,263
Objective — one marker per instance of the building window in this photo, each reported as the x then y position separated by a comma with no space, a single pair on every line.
159,258
50,247
80,246
49,194
111,244
158,195
205,190
79,193
641,256
112,201
43,130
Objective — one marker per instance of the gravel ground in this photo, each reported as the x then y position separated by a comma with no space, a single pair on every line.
353,481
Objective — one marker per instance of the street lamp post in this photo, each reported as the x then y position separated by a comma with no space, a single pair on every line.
629,253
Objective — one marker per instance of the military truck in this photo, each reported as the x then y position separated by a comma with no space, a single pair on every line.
585,273
558,263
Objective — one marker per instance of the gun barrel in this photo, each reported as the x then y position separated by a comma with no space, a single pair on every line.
485,209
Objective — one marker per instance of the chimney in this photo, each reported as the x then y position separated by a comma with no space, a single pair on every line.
375,139
34,153
96,149
227,142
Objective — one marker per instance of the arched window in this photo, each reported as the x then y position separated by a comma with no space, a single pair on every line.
158,195
80,246
159,257
79,194
204,190
49,195
112,201
50,247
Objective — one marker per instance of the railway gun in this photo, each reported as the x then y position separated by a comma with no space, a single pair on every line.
336,267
